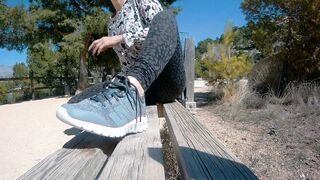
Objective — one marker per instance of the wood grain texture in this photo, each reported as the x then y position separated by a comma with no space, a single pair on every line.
81,158
189,68
200,154
138,156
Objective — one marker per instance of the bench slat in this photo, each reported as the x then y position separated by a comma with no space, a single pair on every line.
138,156
200,154
81,158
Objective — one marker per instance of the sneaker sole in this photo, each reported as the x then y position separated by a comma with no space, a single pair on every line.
132,127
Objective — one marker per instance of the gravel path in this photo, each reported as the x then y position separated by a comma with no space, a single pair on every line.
275,142
30,132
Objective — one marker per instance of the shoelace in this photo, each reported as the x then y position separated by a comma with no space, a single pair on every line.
124,90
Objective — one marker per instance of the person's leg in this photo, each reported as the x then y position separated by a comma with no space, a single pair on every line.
159,67
117,109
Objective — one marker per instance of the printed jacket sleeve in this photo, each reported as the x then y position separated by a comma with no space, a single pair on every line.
147,9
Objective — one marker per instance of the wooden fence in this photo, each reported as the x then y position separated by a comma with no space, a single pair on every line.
34,86
29,88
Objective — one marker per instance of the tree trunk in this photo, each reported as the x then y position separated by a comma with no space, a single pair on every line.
32,86
66,78
283,79
83,76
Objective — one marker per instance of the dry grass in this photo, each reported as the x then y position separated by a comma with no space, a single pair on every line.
170,160
288,128
304,96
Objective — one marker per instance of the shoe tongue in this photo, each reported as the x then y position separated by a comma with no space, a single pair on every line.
121,79
118,79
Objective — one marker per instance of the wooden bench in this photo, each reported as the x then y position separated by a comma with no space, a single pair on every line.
89,156
200,155
139,156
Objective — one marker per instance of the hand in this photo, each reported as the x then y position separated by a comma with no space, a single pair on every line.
104,43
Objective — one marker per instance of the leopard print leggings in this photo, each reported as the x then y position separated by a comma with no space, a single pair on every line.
160,66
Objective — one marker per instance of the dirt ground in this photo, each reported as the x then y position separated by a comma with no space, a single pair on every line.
29,132
275,142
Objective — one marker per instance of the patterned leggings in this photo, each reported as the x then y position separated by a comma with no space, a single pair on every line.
160,66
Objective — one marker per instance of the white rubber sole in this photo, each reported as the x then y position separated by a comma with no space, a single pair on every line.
132,127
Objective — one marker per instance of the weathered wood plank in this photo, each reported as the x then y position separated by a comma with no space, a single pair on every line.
81,158
200,154
138,156
189,68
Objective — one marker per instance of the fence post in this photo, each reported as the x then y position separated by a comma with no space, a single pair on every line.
66,86
189,63
32,87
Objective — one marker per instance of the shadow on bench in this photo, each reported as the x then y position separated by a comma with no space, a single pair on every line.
89,156
200,154
214,167
139,156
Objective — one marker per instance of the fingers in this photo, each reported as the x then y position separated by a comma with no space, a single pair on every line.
94,43
100,49
97,46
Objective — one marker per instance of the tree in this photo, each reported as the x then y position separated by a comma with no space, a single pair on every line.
13,27
288,31
3,93
57,35
73,25
226,58
243,43
20,70
222,63
42,62
201,48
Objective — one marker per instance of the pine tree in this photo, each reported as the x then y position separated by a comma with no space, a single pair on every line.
57,35
287,31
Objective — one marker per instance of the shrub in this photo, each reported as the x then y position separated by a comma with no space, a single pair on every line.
254,101
304,95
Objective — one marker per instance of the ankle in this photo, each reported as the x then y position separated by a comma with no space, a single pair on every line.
137,84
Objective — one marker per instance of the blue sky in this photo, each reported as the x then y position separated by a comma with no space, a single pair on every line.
200,19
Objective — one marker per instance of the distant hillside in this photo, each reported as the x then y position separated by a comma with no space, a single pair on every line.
6,71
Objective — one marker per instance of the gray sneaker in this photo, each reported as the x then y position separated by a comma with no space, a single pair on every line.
116,111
